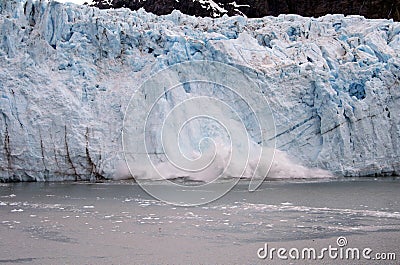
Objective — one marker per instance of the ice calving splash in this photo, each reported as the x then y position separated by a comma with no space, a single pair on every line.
203,121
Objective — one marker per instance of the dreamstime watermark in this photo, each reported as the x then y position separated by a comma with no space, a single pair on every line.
202,121
339,251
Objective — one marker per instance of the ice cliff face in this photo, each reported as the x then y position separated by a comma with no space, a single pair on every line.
68,72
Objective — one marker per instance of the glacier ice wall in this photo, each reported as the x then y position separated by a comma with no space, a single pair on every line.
68,72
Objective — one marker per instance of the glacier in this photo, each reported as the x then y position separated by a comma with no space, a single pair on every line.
68,72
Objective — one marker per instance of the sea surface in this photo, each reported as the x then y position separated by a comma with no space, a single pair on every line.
119,223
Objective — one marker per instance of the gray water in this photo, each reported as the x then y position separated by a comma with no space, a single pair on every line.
118,223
